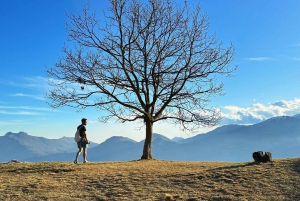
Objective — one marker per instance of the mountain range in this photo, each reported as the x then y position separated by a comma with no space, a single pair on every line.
231,143
22,146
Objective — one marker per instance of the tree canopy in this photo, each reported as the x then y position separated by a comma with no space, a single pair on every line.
153,61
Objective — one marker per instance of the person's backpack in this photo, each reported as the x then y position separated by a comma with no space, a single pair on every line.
77,137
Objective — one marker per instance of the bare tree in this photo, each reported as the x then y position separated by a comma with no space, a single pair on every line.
152,61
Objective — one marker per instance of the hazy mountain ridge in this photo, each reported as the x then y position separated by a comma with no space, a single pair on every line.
279,135
22,146
177,139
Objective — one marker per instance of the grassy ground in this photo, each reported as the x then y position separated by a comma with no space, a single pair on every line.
151,180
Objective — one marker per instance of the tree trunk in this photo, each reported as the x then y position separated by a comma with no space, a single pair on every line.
148,141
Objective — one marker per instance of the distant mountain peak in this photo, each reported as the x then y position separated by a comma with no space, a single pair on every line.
159,136
278,118
21,133
232,143
118,139
177,139
297,116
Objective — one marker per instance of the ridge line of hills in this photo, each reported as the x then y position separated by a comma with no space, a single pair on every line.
231,143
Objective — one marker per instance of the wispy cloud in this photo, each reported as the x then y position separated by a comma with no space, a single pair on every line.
13,123
19,112
37,83
37,97
259,59
94,122
259,112
27,108
297,59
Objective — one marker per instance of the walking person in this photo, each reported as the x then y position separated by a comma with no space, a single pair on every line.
83,143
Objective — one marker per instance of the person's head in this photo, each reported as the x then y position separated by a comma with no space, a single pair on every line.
84,121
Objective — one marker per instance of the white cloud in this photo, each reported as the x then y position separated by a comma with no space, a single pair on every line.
40,85
37,83
259,112
19,112
28,108
29,96
12,123
25,110
296,59
259,59
93,122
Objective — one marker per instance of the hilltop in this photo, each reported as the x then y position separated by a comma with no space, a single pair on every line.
230,143
151,180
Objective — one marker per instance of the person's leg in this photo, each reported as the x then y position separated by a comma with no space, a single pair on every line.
78,153
84,154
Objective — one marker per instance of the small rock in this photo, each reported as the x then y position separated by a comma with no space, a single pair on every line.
257,156
14,161
267,157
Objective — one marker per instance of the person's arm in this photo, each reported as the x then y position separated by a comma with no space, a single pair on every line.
85,137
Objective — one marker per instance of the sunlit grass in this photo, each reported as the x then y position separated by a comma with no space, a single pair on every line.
151,180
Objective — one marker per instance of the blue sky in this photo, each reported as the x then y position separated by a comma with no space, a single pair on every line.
265,35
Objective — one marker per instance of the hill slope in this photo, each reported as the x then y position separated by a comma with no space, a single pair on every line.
231,143
280,135
22,146
151,180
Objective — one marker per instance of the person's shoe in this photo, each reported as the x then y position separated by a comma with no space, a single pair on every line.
75,162
85,161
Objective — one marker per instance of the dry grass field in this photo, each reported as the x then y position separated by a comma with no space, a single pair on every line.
151,180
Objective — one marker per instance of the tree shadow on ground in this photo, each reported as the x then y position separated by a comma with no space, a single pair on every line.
296,166
239,166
